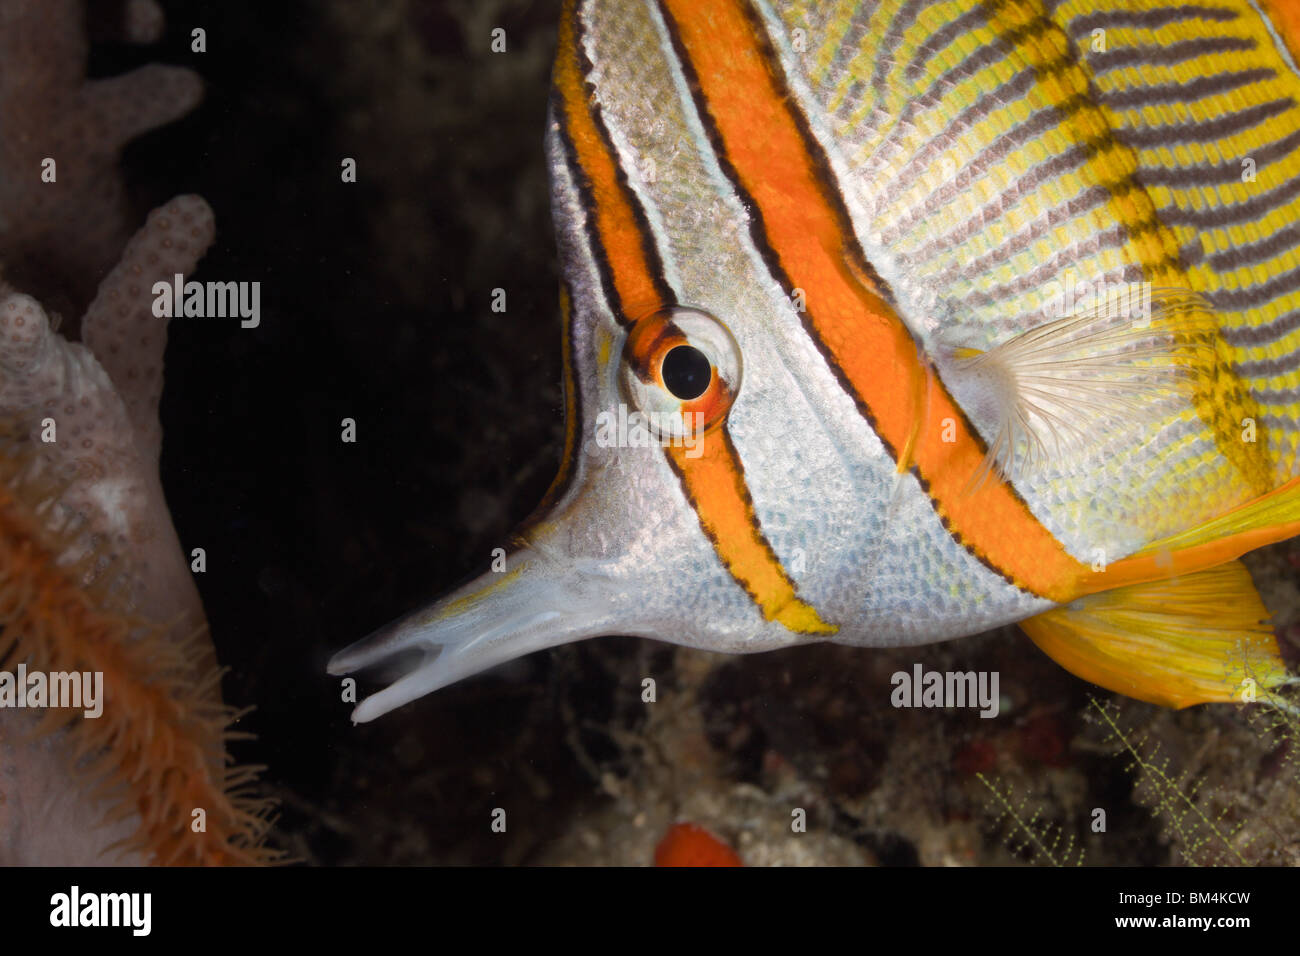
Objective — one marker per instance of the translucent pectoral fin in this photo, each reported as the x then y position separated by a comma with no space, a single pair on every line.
1200,638
1057,388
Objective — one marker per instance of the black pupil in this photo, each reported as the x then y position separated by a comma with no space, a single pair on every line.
687,372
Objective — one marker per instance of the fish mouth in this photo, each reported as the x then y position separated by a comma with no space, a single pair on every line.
535,603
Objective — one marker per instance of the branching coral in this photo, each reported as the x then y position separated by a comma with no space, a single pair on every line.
92,577
58,240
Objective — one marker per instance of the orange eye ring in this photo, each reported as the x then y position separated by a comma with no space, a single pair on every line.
682,361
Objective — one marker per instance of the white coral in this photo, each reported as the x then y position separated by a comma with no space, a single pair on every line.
57,242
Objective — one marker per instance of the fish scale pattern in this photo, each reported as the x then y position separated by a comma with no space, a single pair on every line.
1008,161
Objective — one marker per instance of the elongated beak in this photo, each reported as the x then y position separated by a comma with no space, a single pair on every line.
536,602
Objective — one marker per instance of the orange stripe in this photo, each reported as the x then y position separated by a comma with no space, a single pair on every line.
1286,18
807,231
714,482
620,231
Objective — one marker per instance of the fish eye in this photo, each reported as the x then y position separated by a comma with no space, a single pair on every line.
681,361
686,372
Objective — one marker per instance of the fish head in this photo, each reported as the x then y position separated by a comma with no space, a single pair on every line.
626,541
651,528
724,485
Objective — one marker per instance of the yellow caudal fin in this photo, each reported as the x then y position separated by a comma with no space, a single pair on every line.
1200,638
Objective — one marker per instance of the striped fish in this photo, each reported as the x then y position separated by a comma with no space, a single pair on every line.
887,323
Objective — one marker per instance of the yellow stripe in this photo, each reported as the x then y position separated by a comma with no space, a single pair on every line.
568,459
1221,399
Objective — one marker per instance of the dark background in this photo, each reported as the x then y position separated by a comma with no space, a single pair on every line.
375,307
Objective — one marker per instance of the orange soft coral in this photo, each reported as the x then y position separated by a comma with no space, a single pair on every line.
155,756
92,577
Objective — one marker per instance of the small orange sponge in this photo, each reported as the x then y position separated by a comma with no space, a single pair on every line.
686,844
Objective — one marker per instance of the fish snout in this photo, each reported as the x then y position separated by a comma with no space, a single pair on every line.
532,602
